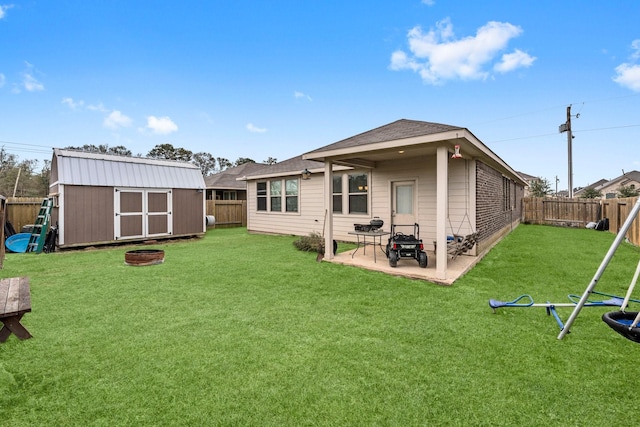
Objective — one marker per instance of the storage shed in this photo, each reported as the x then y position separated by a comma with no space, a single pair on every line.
102,199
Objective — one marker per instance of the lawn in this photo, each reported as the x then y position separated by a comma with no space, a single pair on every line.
244,330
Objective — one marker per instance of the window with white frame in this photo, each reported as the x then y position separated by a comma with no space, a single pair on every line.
261,191
358,193
275,195
337,193
280,195
291,195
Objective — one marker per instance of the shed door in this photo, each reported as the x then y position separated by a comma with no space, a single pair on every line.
141,213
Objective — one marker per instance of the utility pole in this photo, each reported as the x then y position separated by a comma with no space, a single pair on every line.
566,127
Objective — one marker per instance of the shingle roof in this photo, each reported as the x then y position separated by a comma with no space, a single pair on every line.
400,129
71,167
227,179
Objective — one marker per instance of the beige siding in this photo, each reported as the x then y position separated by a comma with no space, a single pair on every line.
422,170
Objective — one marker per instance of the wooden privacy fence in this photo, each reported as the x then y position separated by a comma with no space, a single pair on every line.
228,213
22,211
579,212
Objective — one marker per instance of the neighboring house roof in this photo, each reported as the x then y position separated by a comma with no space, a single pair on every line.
528,178
596,186
228,178
72,167
292,166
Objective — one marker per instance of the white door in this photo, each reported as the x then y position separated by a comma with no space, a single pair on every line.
403,205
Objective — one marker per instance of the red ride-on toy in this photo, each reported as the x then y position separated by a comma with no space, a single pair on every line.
402,245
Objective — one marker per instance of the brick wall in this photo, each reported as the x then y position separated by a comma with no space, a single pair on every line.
493,211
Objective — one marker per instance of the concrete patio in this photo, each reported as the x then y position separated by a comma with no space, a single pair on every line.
407,267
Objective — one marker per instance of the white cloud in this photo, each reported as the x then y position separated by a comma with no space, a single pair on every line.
429,2
3,80
97,107
30,83
511,61
255,129
437,55
161,125
628,73
3,10
117,120
300,95
74,105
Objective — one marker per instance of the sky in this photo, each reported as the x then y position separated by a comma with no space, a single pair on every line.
260,79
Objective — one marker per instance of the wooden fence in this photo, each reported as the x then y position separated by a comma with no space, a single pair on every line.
22,211
579,212
228,213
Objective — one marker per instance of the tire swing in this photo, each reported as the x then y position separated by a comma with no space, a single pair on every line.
625,322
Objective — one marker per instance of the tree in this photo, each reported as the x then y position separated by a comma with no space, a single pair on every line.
243,160
206,162
270,161
118,150
540,187
627,191
591,193
168,152
223,163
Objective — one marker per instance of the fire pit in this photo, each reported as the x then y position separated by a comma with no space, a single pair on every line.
142,257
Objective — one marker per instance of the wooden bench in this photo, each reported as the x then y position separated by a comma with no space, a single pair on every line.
15,301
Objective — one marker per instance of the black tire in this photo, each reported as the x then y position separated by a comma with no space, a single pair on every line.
422,259
393,258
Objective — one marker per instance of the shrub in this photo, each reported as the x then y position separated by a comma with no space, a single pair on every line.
314,242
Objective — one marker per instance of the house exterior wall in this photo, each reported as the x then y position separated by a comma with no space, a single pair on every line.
499,205
610,190
422,170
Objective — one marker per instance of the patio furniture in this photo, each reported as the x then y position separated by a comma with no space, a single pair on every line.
362,236
15,301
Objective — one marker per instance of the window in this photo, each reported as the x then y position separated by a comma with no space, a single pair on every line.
282,195
291,195
337,194
506,194
229,195
358,193
262,195
275,191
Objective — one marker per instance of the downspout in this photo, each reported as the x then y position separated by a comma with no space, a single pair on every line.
328,205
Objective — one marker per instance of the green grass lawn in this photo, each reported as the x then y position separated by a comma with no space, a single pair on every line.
244,330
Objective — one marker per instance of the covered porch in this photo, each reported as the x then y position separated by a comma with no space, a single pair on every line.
406,267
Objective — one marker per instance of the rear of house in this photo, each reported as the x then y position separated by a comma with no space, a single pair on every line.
100,199
438,176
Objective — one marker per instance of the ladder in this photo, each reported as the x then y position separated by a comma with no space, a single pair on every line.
40,228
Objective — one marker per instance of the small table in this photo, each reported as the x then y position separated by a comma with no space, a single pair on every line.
362,241
15,301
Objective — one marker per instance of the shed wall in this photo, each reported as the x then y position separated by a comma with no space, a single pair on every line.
88,215
188,212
